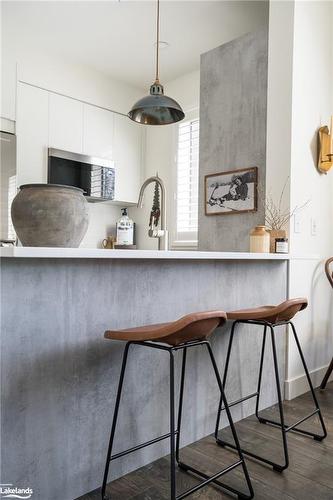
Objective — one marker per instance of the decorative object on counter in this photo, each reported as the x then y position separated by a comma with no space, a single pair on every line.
276,234
161,234
259,240
231,192
155,213
276,217
125,229
109,242
156,108
281,245
325,148
50,215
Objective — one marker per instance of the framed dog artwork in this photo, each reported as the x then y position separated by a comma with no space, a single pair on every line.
231,192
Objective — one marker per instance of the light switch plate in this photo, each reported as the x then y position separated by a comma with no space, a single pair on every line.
313,227
297,223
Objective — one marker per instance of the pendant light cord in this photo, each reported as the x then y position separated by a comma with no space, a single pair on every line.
157,41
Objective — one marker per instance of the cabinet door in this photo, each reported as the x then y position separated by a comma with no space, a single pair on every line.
66,123
97,132
127,156
32,132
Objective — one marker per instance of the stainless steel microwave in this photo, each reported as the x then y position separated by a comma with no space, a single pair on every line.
96,176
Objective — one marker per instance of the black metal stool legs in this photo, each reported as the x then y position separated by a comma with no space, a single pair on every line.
278,467
314,397
189,468
327,375
317,437
262,356
284,427
221,442
180,408
232,426
174,433
114,421
172,429
225,374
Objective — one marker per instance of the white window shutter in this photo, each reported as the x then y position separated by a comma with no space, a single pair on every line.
187,181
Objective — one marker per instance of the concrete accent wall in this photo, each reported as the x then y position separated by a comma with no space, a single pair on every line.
59,376
233,112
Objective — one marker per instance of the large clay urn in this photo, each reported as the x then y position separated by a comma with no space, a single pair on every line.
50,215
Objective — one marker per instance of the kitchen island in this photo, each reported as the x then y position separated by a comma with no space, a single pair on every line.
59,375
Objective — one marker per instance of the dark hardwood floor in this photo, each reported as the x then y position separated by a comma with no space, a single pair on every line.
309,476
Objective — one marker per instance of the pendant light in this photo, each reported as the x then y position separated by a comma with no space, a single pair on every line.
156,108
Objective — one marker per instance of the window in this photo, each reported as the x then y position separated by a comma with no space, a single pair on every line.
187,183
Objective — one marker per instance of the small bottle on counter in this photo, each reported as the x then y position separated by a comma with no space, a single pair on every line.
125,229
281,245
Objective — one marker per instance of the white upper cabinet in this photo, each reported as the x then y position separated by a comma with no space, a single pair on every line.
128,138
45,119
98,125
32,122
66,123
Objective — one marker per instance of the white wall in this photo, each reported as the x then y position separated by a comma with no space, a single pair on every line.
80,82
300,100
161,143
312,105
279,100
53,73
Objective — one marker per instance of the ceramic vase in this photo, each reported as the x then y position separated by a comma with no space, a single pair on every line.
259,240
50,215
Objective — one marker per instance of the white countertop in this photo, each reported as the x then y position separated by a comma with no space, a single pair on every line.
97,253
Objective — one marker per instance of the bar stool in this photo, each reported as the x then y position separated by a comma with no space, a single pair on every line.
190,331
270,317
329,274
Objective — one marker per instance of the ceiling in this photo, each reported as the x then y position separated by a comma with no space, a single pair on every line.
117,38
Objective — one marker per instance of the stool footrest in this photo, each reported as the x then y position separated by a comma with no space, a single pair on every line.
245,398
252,455
210,479
291,427
140,446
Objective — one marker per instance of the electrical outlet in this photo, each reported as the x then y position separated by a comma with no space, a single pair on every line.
313,227
297,223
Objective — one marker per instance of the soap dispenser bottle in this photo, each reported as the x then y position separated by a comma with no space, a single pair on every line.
125,229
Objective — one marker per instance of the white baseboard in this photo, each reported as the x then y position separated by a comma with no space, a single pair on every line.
296,386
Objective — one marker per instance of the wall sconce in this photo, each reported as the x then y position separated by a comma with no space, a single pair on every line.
325,143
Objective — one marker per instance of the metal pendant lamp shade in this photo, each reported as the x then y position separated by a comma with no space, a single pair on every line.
156,108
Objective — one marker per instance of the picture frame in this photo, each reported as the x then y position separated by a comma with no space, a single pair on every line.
231,192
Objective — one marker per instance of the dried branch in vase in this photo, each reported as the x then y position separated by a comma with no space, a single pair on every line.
276,218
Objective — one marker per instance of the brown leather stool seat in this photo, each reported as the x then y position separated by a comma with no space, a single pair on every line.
196,326
272,314
188,332
269,318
